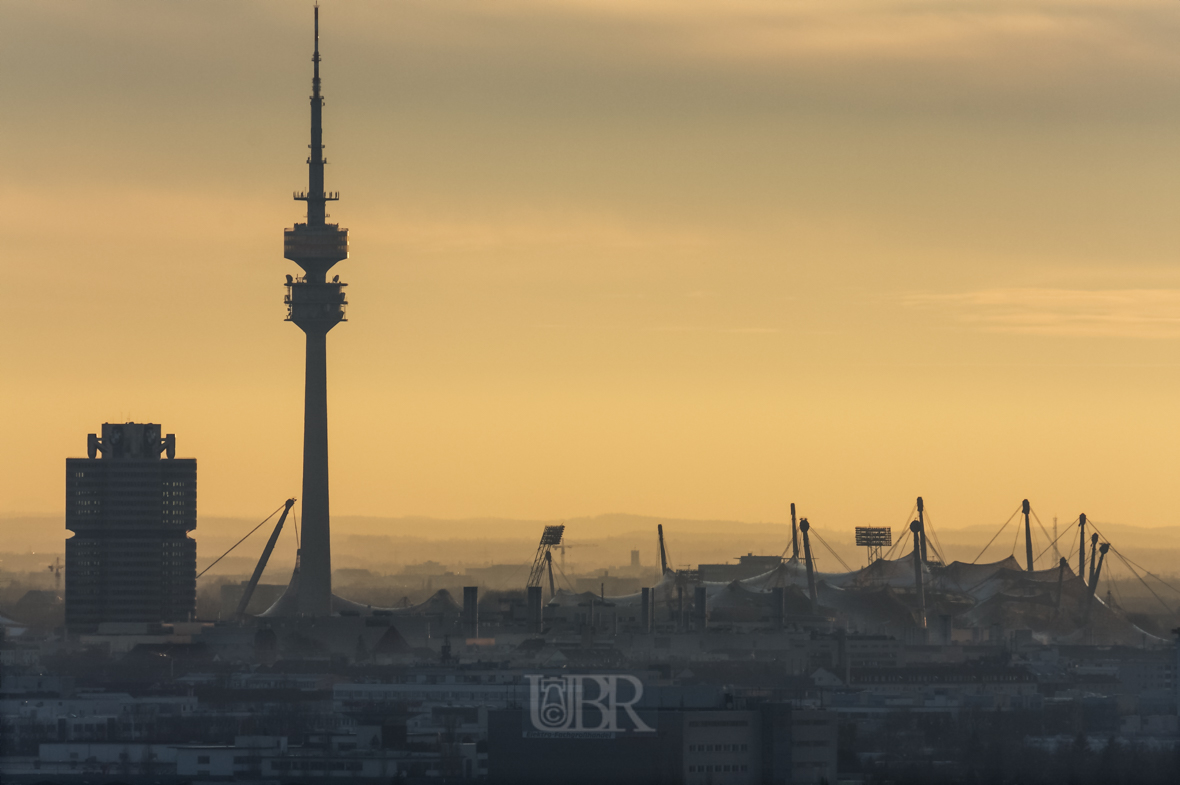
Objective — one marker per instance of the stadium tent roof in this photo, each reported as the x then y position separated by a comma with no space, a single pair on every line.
439,603
1017,600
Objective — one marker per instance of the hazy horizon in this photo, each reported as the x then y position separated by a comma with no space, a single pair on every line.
385,545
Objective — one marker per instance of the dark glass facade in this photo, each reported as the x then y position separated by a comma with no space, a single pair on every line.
130,559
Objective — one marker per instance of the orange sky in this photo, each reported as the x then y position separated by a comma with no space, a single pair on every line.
694,259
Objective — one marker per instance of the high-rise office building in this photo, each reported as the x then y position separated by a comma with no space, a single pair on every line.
130,559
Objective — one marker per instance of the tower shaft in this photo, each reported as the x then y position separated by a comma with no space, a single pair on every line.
316,305
315,587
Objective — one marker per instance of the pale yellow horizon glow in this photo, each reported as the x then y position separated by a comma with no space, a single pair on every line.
686,259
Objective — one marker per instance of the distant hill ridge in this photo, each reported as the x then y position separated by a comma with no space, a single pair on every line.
380,542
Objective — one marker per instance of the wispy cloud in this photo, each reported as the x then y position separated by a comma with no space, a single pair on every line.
723,330
1127,313
873,29
547,231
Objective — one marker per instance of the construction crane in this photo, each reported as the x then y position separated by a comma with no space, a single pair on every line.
55,568
561,546
550,538
270,546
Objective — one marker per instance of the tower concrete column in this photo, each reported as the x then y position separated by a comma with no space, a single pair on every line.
315,588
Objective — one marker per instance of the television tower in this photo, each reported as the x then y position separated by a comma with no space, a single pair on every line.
315,305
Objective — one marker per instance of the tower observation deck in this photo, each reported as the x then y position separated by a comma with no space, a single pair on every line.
315,305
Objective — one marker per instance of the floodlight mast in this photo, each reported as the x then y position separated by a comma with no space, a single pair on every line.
549,567
550,537
874,538
663,551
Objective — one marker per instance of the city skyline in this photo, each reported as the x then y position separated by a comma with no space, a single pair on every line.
823,255
707,294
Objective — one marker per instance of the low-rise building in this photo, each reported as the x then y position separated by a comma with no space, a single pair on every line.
775,743
974,685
